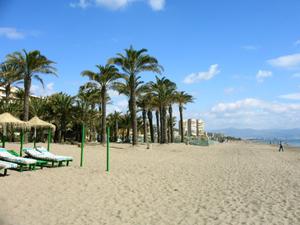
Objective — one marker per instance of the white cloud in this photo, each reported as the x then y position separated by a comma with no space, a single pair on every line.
38,90
11,33
196,77
287,61
112,4
262,74
252,113
81,4
157,4
116,4
292,96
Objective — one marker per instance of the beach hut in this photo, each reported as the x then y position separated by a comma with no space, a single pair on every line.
36,122
8,120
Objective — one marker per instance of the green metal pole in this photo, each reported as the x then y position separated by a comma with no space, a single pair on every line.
49,139
107,148
22,142
82,146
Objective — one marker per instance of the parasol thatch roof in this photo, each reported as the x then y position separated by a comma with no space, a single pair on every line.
38,123
8,119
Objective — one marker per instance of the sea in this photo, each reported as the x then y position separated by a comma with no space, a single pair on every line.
288,142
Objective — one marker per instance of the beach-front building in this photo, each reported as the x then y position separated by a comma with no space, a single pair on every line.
184,126
12,92
193,127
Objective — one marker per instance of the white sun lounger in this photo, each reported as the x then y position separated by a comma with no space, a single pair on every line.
7,165
6,156
43,154
47,153
33,153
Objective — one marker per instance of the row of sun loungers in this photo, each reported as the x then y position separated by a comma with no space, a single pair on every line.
39,156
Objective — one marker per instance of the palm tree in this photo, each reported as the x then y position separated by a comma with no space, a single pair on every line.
125,127
114,120
61,111
8,76
38,107
162,89
133,63
88,98
158,125
182,98
90,94
143,103
151,107
171,90
30,65
104,79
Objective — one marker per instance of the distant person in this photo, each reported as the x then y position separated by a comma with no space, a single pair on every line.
280,147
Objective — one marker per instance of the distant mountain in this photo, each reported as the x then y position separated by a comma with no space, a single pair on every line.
260,134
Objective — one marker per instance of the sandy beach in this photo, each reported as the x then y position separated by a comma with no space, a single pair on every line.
234,183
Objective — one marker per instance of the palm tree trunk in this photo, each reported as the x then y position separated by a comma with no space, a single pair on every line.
171,124
27,85
7,93
117,131
133,114
162,133
181,123
157,125
165,124
63,130
103,102
144,124
149,114
59,135
127,133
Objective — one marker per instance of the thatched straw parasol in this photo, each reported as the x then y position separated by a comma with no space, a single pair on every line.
38,123
6,119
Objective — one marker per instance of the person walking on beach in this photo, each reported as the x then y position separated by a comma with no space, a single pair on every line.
280,147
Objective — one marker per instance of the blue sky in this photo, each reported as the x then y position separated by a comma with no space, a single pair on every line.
240,59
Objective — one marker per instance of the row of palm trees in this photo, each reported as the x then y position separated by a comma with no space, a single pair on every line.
122,73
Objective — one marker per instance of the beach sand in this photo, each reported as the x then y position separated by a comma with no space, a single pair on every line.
232,183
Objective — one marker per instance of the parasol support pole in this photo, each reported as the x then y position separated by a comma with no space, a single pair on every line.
49,139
